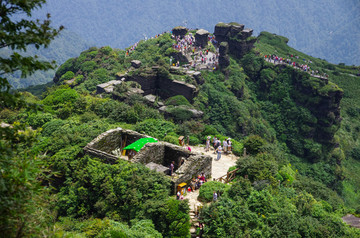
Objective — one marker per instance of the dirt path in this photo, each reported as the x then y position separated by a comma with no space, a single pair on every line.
219,168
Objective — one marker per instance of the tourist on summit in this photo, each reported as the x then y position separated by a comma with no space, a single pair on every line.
172,168
229,145
225,146
218,150
214,141
207,146
202,177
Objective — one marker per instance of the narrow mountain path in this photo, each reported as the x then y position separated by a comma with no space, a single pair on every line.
219,168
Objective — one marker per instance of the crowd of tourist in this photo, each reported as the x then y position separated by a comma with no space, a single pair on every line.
218,149
186,45
291,62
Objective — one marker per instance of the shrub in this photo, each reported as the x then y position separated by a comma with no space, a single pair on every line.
61,96
208,188
106,50
237,148
171,139
260,167
180,114
67,76
177,101
39,119
355,153
88,66
253,144
155,128
193,140
52,126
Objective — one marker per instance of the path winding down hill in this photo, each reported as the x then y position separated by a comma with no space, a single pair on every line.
219,168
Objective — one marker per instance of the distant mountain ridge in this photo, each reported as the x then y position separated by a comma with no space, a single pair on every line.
328,30
66,45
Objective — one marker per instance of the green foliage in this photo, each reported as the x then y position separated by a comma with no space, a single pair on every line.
177,101
208,188
67,76
179,113
194,140
61,96
171,139
37,120
119,190
21,192
237,147
155,128
286,175
258,168
105,228
24,211
253,144
355,153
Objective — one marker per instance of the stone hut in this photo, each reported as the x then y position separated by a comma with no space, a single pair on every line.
158,156
202,38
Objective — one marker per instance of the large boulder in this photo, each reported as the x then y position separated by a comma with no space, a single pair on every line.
107,87
179,31
136,63
202,38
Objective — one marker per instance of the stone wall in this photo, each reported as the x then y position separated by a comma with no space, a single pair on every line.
103,145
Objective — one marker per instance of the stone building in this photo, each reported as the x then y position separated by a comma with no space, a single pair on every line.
158,156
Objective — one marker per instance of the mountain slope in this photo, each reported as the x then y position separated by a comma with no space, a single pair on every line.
66,45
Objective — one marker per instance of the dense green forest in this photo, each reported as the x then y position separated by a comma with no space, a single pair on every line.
298,184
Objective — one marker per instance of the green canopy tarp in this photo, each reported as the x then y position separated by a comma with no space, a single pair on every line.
139,144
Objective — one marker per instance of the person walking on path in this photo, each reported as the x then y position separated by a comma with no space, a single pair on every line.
218,150
225,146
207,146
172,168
229,145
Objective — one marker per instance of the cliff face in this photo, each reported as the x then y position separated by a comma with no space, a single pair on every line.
322,98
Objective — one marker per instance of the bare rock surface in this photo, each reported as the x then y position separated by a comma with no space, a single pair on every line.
352,220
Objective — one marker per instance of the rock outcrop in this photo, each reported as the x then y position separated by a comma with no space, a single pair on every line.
239,39
107,87
224,59
153,83
179,31
202,38
136,63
